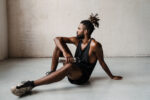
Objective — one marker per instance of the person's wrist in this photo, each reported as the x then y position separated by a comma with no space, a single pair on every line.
52,70
64,53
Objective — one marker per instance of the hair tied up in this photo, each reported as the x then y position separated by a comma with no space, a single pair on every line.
94,19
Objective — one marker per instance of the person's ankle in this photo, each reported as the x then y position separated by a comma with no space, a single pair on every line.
33,84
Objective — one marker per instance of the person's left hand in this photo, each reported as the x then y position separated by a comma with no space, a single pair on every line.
117,77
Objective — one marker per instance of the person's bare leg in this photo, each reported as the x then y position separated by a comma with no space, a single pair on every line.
67,70
55,57
56,54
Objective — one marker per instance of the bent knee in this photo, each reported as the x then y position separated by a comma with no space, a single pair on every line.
70,66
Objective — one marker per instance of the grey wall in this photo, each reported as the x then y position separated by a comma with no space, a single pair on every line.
124,26
3,30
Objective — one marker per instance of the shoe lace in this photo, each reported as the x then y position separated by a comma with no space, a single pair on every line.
24,84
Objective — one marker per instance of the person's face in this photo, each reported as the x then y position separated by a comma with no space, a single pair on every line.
80,31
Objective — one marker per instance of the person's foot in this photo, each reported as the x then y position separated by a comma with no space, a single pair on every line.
23,88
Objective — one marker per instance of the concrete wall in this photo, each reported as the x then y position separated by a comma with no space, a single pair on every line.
124,26
3,30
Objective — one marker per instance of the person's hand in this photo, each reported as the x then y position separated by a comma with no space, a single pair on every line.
117,77
68,57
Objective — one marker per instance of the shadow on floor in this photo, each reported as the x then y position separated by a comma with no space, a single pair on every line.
68,88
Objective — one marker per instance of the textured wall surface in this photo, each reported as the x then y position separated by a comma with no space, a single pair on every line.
124,26
3,30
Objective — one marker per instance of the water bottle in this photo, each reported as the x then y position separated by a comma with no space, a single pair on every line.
63,60
73,60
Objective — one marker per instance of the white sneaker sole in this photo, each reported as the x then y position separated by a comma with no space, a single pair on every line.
21,91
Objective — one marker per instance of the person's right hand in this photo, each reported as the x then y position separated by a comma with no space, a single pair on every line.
68,57
117,77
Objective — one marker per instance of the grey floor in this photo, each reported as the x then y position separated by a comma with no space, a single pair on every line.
134,86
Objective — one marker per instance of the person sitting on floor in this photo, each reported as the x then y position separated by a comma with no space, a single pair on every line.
88,50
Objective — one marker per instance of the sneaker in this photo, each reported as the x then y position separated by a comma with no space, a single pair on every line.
23,88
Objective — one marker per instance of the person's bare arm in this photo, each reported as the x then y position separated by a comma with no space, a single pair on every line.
61,44
100,57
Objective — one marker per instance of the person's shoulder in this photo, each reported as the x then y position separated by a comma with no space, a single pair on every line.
95,44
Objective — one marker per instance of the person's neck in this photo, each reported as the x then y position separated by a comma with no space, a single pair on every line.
86,39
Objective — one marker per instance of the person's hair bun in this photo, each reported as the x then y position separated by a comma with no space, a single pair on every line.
94,19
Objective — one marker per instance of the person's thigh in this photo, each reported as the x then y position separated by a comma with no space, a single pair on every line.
75,72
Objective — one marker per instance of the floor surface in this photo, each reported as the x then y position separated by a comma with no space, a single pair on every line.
134,86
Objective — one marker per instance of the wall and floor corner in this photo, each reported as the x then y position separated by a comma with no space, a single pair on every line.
3,30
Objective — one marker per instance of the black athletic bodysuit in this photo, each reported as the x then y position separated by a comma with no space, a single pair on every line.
85,66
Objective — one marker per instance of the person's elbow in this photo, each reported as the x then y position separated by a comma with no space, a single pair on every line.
57,39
